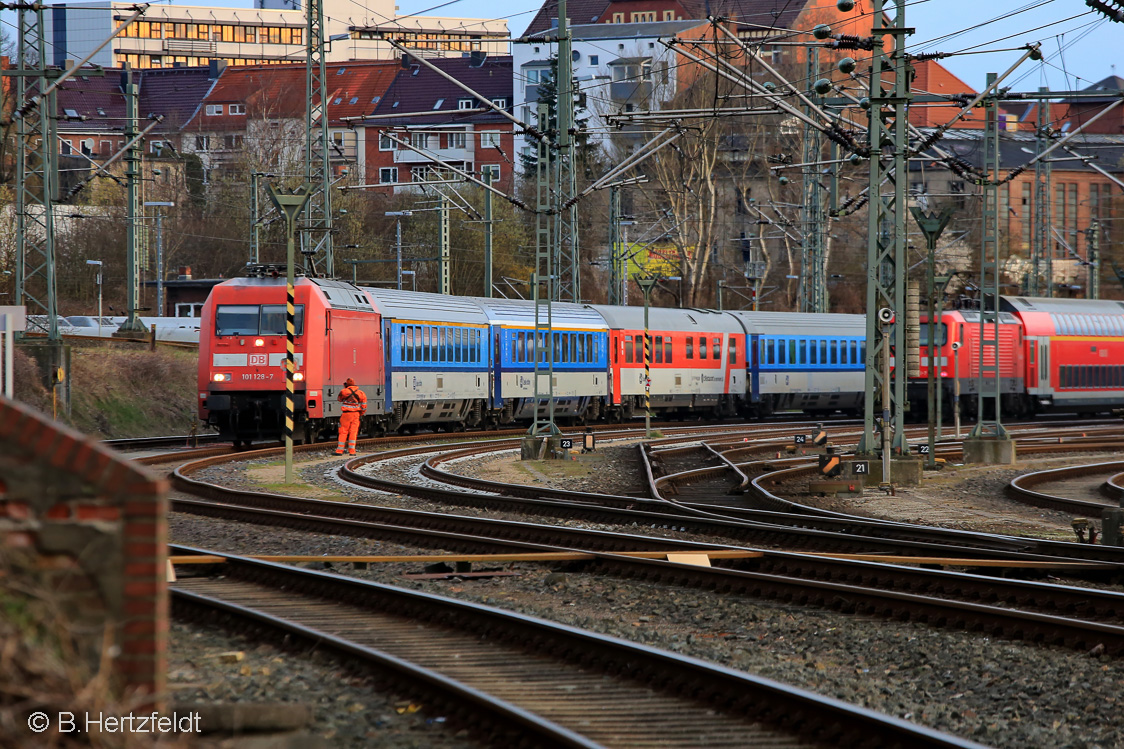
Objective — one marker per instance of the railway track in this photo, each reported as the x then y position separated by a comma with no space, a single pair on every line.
1023,488
1040,613
515,680
785,523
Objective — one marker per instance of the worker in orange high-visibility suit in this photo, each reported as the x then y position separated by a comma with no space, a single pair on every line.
354,405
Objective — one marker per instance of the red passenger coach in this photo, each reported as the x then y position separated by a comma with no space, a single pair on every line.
697,361
1074,352
242,351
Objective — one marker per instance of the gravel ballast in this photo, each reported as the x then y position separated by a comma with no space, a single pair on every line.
1000,693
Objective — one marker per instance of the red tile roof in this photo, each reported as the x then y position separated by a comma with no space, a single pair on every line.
174,93
934,78
780,14
278,91
419,89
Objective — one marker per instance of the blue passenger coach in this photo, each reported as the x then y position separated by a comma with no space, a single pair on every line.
580,339
437,358
807,362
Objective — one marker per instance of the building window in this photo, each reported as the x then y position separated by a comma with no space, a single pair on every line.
669,15
232,142
202,143
388,175
1026,216
618,18
238,109
593,59
65,147
501,103
458,140
644,17
213,110
385,143
490,139
466,103
490,169
419,140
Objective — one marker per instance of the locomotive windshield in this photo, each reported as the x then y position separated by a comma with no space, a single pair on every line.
942,334
255,319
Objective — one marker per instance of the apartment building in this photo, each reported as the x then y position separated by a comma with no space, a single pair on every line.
272,32
442,122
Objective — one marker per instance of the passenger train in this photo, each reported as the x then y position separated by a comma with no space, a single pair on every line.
459,362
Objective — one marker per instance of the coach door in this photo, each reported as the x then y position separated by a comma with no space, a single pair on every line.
1043,364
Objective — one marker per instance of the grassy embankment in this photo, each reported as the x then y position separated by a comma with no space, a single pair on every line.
120,390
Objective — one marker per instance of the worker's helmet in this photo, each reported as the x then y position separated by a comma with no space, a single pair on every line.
349,382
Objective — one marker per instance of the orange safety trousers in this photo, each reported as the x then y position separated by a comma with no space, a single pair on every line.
349,430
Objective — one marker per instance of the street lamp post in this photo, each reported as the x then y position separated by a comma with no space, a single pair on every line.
97,264
398,231
159,252
646,285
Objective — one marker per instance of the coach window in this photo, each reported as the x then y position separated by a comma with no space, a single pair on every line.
628,349
657,352
404,340
812,358
417,343
791,350
732,350
690,346
667,350
834,349
717,348
640,348
702,347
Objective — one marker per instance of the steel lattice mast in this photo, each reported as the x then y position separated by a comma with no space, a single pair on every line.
813,270
317,158
1042,256
988,409
566,264
36,178
886,243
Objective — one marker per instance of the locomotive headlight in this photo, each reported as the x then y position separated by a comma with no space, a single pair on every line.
222,377
298,377
259,342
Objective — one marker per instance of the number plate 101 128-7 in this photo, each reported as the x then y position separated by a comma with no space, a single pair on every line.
258,376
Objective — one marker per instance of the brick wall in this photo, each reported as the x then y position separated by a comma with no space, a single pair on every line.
96,525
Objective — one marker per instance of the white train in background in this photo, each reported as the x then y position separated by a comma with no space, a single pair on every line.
168,329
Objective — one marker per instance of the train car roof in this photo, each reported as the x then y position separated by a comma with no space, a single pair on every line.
973,316
521,312
668,318
800,323
342,295
1064,306
426,307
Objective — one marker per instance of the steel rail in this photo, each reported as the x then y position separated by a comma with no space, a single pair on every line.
1020,489
710,701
